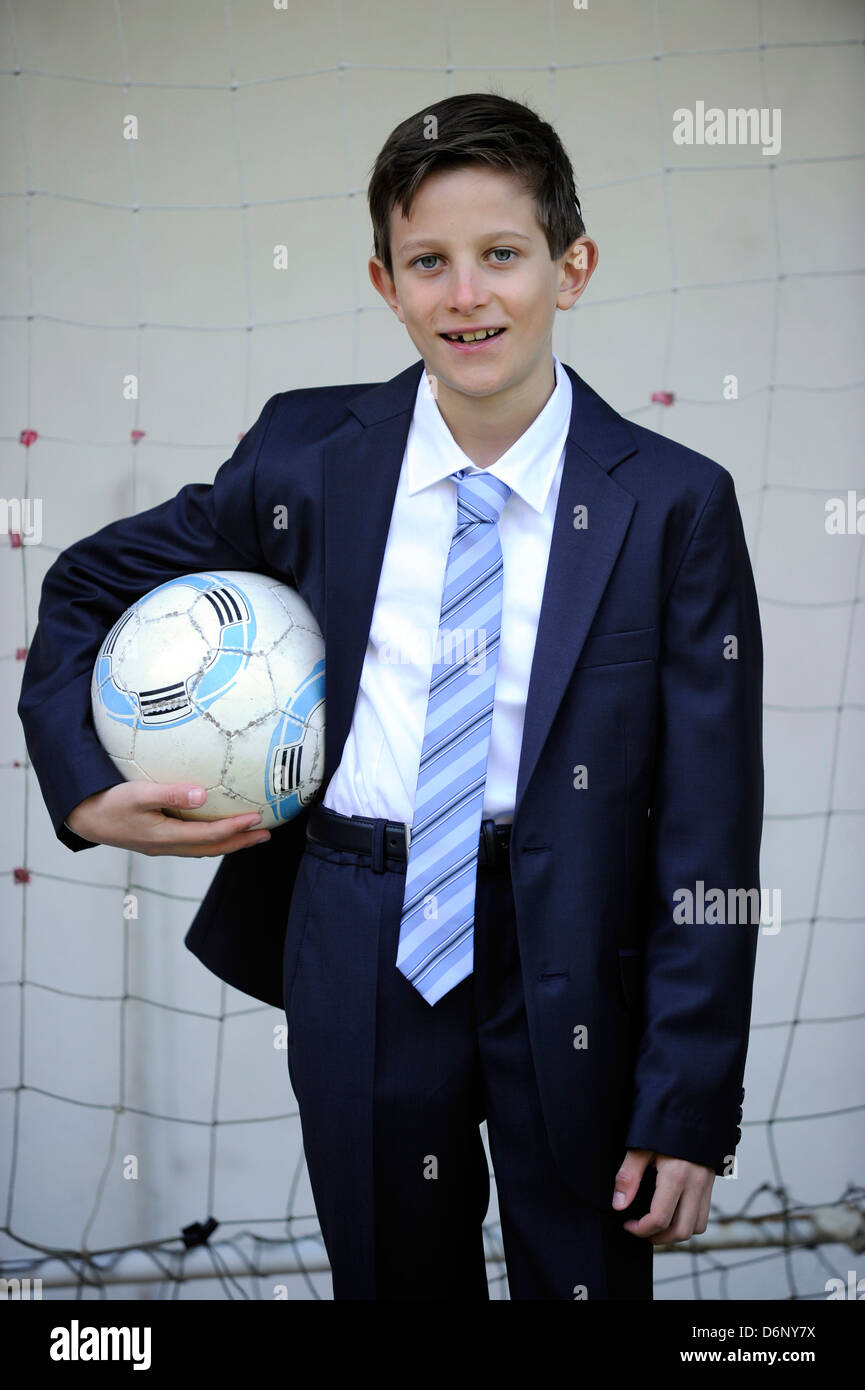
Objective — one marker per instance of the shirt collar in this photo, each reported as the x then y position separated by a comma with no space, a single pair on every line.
528,466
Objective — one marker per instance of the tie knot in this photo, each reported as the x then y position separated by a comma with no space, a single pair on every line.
480,496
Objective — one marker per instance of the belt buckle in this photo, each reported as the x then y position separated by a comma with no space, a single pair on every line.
407,829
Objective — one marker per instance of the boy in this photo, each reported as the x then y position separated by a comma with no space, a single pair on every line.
481,914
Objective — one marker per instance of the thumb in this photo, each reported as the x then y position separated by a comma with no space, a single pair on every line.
629,1177
179,794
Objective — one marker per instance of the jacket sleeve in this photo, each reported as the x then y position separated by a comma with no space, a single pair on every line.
91,583
705,830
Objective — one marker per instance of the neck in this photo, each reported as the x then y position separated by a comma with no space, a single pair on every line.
485,427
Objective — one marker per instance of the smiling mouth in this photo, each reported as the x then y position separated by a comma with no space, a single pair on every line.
483,335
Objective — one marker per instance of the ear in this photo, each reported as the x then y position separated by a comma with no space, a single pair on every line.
576,268
384,283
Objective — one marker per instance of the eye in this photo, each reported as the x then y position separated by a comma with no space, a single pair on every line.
431,256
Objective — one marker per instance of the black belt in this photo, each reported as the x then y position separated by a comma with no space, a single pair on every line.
388,839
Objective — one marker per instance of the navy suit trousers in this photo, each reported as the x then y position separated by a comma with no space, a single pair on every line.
392,1091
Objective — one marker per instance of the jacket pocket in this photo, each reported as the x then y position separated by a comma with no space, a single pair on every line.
610,648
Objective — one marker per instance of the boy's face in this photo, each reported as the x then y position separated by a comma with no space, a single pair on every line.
473,255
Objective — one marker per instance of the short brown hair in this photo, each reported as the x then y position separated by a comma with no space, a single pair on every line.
476,128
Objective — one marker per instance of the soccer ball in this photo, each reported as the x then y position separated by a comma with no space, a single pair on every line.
217,679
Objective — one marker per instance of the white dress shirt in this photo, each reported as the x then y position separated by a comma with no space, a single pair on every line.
377,774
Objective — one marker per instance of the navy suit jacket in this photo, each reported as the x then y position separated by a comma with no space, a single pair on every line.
639,1024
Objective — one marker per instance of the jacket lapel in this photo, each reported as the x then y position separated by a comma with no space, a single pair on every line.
360,486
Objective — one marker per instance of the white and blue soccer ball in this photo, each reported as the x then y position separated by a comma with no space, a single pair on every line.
217,679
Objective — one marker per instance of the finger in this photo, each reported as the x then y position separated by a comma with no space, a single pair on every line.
154,795
211,851
650,1224
684,1220
704,1212
245,841
629,1177
169,830
668,1190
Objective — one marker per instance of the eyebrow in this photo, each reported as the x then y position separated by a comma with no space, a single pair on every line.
487,236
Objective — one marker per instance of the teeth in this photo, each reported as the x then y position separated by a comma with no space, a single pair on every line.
472,337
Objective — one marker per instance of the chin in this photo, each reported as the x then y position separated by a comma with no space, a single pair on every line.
476,391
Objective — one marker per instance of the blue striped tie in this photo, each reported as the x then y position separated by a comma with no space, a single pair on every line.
436,939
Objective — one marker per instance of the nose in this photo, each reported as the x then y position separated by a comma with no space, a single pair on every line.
466,292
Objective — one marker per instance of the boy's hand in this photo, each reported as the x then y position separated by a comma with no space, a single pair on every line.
130,816
680,1205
